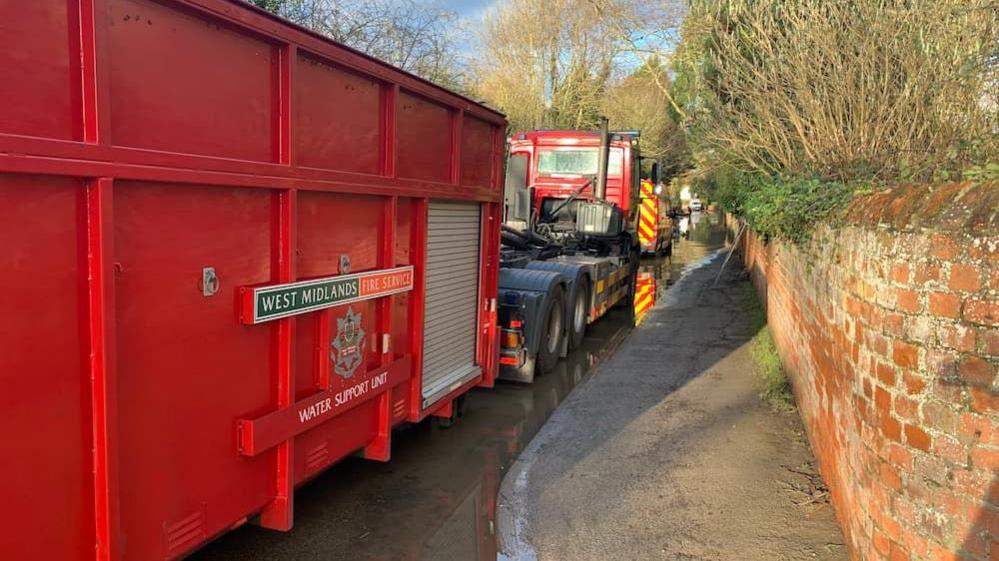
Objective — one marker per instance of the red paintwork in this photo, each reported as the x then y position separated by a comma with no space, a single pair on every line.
141,141
622,188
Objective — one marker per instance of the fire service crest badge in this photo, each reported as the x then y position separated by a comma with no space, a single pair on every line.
347,352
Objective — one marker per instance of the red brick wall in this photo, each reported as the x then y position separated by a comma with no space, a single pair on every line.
889,329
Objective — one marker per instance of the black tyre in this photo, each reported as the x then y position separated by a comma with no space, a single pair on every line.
551,332
578,313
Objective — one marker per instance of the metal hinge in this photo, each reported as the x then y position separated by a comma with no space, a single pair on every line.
210,283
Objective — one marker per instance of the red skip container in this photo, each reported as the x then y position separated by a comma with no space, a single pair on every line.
233,252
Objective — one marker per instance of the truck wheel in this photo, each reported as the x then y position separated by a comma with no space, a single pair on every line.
579,312
551,332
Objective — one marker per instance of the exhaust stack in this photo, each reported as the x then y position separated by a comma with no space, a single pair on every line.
600,189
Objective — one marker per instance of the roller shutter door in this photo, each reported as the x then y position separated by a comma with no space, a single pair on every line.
452,294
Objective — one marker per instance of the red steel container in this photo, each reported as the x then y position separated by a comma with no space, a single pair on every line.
233,252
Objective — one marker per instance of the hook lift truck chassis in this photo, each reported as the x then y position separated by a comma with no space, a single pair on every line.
570,248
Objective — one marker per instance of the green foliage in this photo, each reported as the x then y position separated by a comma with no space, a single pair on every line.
771,380
987,172
787,209
755,313
969,160
790,209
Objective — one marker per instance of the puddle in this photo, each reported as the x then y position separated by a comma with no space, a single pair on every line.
436,498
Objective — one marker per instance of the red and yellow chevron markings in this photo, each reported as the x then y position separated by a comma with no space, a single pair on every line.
645,294
648,217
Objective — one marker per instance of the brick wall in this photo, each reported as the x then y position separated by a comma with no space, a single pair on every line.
889,329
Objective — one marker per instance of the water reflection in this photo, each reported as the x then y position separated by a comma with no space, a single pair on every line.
469,531
436,499
645,290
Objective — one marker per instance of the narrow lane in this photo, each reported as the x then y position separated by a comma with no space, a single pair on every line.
436,498
669,452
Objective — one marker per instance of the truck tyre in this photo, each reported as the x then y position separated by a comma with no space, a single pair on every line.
578,312
552,329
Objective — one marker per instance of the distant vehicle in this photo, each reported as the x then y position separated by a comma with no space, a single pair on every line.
696,205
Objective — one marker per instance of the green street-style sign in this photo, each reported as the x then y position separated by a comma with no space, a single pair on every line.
265,303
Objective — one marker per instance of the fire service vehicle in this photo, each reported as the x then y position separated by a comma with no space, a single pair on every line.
570,241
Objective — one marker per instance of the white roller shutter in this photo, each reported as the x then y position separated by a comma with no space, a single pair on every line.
452,294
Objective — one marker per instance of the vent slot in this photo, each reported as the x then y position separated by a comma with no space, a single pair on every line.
184,533
317,457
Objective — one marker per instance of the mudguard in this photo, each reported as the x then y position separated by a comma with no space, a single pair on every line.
535,287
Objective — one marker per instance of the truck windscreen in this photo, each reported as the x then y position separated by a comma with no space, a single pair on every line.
576,161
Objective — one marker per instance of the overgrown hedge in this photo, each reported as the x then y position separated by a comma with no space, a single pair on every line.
781,208
791,108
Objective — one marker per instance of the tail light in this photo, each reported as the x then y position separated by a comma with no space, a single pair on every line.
511,338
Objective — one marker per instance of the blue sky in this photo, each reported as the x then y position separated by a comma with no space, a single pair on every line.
466,7
470,11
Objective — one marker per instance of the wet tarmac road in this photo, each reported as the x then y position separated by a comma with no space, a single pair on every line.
436,498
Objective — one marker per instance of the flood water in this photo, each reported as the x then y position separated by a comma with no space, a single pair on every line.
436,499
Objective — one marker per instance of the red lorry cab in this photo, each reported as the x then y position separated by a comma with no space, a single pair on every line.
558,162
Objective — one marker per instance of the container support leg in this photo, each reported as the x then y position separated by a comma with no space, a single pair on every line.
278,515
101,326
418,252
380,448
